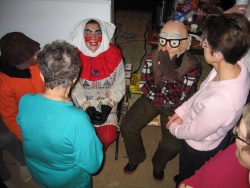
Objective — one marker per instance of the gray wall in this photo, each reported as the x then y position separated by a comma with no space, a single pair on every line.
48,20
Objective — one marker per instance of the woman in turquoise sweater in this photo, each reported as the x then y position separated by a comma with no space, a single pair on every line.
60,144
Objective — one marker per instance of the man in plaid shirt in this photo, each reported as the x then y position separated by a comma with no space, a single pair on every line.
169,77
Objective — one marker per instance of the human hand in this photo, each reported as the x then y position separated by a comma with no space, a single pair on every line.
178,121
174,118
239,8
106,109
95,116
97,119
182,185
91,112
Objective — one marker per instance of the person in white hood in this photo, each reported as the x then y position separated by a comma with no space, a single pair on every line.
101,84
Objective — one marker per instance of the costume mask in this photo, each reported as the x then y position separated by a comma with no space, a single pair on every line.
174,38
92,36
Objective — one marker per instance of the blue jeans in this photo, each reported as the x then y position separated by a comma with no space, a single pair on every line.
138,116
12,144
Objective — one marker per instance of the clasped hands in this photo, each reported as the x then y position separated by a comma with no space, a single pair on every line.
97,117
174,119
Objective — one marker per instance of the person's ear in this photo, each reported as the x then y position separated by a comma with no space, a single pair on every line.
218,56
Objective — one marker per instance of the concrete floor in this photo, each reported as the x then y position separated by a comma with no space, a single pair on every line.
131,26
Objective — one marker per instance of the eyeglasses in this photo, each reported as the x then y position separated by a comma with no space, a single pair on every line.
174,43
204,44
235,133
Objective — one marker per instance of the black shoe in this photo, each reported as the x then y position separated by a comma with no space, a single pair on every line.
130,168
176,178
158,176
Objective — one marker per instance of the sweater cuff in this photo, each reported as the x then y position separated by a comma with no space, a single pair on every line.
172,128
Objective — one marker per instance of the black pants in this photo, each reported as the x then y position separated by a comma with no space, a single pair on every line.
2,185
12,144
191,160
138,116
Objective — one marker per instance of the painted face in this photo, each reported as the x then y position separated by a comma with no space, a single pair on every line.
174,38
242,155
93,36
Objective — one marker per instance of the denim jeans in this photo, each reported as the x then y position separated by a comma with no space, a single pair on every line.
12,144
138,116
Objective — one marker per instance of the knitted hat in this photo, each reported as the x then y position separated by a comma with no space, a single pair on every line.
17,48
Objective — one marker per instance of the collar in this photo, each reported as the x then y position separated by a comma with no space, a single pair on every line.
100,67
13,71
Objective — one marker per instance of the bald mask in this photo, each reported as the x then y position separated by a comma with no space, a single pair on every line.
174,38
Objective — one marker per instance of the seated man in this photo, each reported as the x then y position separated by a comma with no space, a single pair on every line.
169,77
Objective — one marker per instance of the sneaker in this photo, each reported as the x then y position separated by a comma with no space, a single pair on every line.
9,184
24,174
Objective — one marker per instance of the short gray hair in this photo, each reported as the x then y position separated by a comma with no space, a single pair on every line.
59,63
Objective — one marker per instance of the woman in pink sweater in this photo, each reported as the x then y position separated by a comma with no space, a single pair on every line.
203,122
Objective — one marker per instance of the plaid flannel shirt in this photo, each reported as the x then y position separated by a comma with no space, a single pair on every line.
172,93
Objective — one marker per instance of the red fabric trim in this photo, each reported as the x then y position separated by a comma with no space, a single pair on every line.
107,135
100,67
